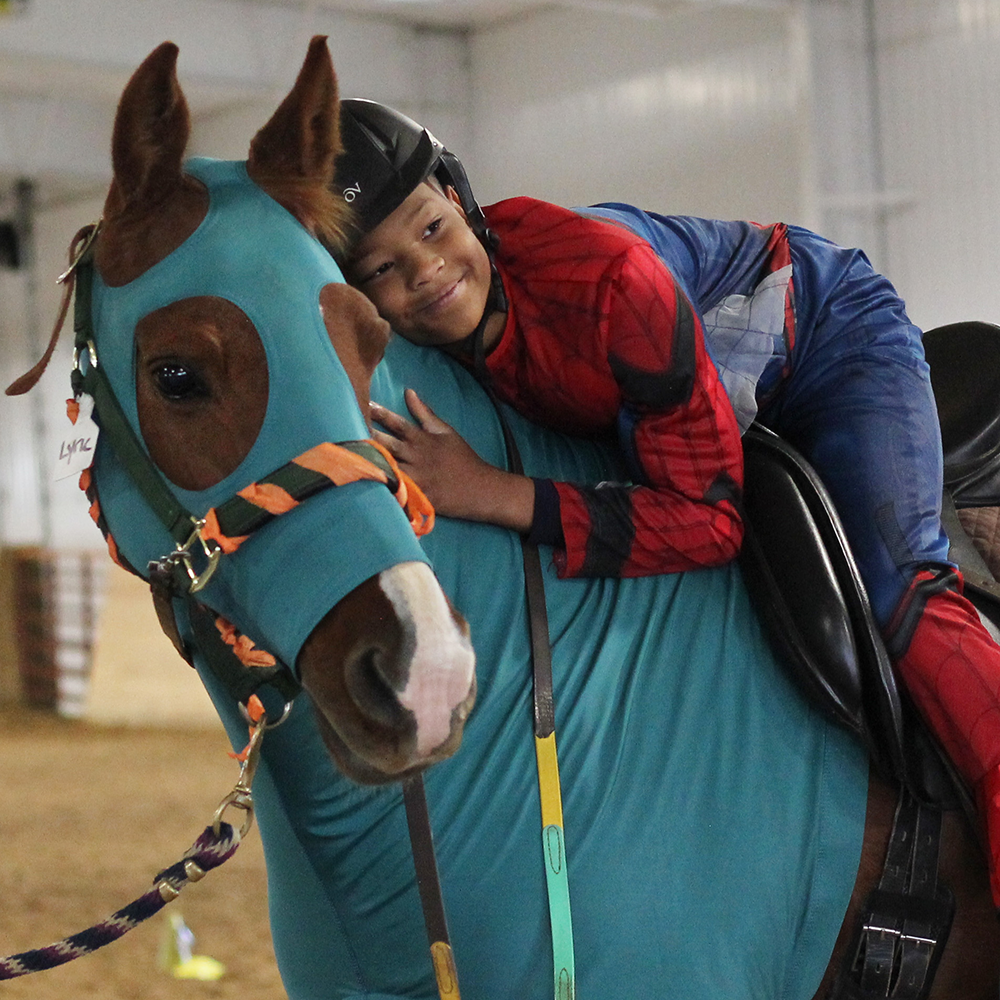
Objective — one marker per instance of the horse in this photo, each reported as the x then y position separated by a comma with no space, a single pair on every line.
720,830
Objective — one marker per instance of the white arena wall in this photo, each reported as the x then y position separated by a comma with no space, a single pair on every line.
874,121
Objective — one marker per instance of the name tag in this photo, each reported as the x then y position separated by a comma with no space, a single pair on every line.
76,451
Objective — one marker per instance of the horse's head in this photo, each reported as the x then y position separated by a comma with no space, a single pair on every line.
234,348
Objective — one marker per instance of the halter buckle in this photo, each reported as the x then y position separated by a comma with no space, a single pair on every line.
183,556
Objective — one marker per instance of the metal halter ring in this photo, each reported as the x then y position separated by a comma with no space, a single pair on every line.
91,354
183,555
265,722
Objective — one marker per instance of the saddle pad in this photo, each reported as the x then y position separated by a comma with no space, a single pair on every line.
982,525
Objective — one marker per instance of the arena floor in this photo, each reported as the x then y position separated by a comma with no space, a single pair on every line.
88,815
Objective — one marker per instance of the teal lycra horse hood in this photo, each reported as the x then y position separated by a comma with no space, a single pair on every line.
252,252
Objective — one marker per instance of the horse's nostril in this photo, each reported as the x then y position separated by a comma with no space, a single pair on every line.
367,685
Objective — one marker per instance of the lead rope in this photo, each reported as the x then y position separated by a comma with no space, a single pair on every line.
216,844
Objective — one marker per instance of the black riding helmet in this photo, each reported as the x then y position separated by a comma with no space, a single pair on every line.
386,155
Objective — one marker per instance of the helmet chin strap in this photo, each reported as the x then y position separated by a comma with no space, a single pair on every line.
473,346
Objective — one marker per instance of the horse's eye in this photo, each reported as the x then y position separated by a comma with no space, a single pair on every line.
177,381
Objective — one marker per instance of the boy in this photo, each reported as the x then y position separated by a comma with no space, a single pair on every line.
590,367
582,320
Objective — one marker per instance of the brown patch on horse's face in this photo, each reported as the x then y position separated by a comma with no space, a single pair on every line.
358,334
201,389
202,381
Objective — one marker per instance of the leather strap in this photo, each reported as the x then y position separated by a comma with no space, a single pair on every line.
883,922
114,425
161,586
534,592
429,886
906,920
921,931
550,793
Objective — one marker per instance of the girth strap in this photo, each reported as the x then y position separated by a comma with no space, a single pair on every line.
906,920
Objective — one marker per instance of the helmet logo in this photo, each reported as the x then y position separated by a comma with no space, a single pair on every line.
352,192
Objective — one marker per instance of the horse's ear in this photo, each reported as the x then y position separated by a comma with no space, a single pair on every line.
147,152
150,134
302,139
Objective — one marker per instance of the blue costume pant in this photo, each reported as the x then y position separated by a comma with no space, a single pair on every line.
851,391
857,402
846,382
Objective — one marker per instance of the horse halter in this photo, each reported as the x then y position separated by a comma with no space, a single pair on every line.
224,528
255,254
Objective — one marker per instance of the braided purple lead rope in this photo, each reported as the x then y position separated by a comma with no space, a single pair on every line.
209,851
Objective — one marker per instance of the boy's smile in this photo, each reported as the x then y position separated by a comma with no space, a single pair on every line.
424,269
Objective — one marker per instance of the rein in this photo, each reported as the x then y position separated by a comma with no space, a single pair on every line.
549,788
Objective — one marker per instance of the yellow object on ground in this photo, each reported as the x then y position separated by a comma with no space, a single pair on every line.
177,957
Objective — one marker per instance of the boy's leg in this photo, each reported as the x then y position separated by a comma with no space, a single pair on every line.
951,667
858,404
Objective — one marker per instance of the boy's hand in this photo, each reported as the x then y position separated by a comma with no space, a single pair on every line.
432,452
456,480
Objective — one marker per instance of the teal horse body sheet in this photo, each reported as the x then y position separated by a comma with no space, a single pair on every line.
713,819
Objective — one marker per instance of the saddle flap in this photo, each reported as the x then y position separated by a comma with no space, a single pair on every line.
806,585
964,359
808,590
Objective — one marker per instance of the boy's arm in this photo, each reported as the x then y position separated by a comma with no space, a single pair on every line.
677,430
680,439
454,478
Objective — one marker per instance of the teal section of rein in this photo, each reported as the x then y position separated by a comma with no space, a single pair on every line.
557,882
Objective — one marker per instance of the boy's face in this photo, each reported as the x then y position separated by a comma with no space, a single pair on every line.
424,269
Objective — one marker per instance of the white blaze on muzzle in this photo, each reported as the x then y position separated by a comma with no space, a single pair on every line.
442,663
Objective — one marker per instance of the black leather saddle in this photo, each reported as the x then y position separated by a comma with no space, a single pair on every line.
806,585
807,588
965,373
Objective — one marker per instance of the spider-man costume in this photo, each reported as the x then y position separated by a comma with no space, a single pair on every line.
599,337
808,339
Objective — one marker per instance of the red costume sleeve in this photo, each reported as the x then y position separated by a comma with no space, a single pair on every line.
678,432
